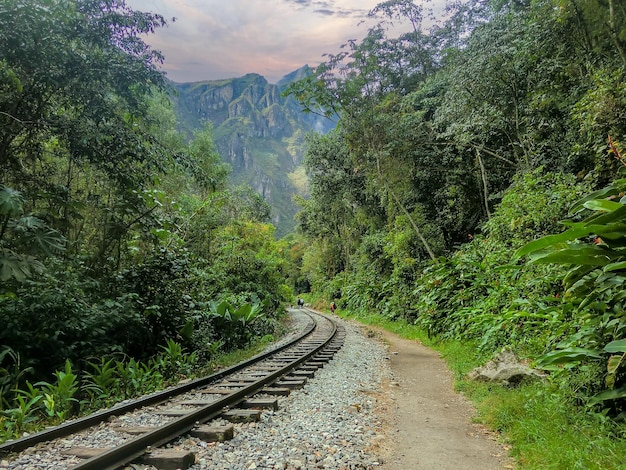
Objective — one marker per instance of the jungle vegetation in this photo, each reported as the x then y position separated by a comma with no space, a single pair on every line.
125,259
473,189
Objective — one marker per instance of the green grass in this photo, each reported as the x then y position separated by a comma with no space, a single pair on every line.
234,357
547,432
539,421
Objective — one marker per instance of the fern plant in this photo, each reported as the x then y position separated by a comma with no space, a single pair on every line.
22,238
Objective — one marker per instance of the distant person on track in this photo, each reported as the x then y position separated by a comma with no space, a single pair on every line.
333,307
300,303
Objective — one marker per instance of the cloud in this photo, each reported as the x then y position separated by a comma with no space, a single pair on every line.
214,39
334,8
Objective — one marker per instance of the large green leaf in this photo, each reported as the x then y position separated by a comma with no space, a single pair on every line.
609,395
613,190
551,240
610,280
613,364
187,331
611,231
11,202
609,217
242,312
589,255
577,273
602,205
44,240
563,356
618,266
222,309
19,267
576,231
616,346
612,367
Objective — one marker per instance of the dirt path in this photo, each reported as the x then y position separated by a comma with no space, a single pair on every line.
430,424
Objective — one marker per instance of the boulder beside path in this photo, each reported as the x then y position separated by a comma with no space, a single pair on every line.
505,369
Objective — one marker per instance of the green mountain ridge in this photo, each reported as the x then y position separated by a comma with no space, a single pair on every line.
257,131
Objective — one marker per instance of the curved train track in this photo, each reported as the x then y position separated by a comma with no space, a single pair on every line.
237,394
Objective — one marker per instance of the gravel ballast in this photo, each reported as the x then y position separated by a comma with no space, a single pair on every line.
331,423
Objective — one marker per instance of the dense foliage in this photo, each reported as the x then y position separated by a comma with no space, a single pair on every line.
470,188
119,238
456,148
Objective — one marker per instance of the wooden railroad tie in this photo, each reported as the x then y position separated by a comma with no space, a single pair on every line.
242,416
134,429
293,384
298,374
174,412
260,404
85,452
169,459
213,433
276,391
316,364
163,459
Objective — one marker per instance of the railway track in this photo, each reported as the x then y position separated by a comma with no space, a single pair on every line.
236,394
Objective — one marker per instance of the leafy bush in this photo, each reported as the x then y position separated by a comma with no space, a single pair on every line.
235,324
533,206
60,397
12,374
16,419
101,383
109,381
592,248
174,364
59,315
476,295
481,292
248,263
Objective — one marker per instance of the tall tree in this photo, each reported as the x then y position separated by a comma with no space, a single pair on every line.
353,82
73,76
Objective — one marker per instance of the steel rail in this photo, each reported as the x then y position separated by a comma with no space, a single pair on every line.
80,424
135,448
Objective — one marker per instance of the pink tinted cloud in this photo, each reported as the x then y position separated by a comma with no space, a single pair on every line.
214,39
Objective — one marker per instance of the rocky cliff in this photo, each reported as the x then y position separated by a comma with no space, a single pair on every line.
258,131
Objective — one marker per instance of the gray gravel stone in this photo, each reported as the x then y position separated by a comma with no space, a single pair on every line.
328,424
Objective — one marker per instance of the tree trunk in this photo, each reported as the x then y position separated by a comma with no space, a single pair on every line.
621,47
406,212
414,225
483,174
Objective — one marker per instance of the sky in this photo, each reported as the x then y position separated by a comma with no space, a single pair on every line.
215,39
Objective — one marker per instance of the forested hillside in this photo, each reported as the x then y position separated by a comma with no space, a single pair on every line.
455,150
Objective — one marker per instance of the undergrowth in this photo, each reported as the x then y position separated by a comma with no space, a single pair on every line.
43,404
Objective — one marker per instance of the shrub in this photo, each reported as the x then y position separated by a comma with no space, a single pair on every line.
592,249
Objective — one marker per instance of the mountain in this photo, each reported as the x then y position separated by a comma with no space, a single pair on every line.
258,132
